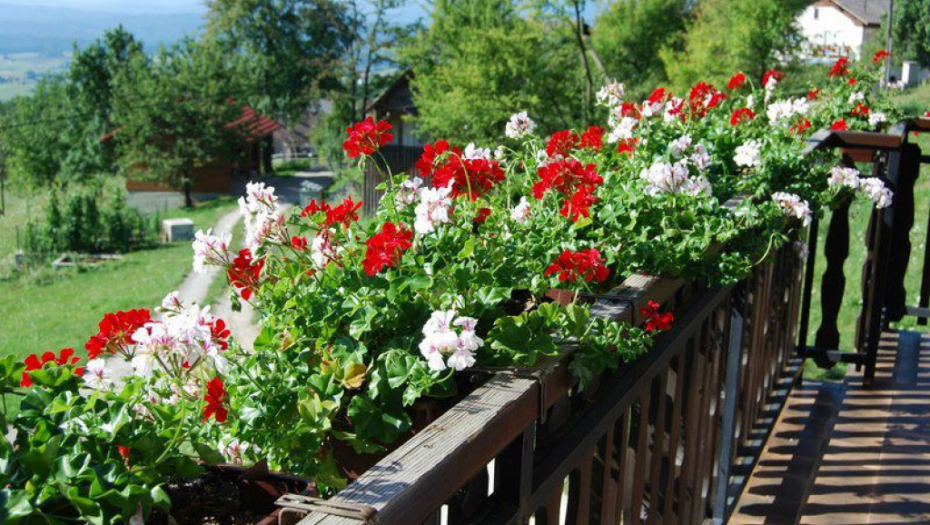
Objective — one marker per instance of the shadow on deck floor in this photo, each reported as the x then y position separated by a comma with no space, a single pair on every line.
844,454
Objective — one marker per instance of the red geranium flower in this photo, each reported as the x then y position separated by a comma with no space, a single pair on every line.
367,137
566,177
880,55
244,273
345,213
657,95
655,321
299,243
839,125
860,110
593,138
741,115
215,398
704,96
736,81
579,205
472,177
852,81
627,146
482,215
813,93
629,109
386,247
33,362
220,333
774,73
561,142
585,264
431,152
800,126
840,67
124,452
116,331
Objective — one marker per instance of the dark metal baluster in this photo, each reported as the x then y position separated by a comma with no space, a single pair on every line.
902,211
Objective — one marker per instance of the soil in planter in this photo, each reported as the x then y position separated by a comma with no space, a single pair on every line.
219,497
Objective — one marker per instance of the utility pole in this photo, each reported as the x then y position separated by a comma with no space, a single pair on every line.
888,43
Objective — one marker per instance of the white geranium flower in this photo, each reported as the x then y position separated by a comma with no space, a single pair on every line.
611,95
521,212
876,190
97,376
841,176
623,130
407,194
519,126
781,112
210,250
876,118
473,152
680,145
433,209
793,206
700,158
440,339
748,155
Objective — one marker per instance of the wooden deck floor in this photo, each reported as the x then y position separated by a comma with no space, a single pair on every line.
844,454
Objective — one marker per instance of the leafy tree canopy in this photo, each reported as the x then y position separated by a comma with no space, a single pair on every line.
734,35
628,36
174,112
291,46
479,61
912,29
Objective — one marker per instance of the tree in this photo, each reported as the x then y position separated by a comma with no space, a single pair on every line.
629,35
912,30
480,61
735,35
31,131
173,113
291,46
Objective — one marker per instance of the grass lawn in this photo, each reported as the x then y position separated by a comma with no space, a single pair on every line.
59,309
915,102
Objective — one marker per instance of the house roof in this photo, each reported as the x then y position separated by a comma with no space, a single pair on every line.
253,124
868,12
397,97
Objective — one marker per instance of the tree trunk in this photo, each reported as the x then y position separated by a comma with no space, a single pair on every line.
187,184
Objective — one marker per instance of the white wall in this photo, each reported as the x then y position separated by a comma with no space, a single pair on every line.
829,33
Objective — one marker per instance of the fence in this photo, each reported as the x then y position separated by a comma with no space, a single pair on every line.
656,441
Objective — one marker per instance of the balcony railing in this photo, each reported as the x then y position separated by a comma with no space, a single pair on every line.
668,438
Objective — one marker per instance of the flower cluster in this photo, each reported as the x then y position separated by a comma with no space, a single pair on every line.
665,177
33,362
244,273
367,137
472,175
576,182
585,264
210,250
793,206
450,341
519,126
386,247
116,331
873,188
655,321
263,220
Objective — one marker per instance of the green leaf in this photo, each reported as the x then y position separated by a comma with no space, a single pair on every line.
467,250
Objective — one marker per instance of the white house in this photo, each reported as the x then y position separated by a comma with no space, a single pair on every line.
835,28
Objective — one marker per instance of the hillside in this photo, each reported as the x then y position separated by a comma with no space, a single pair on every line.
51,30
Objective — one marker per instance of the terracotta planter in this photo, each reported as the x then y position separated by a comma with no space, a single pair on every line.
233,495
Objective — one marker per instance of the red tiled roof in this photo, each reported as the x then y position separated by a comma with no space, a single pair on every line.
254,125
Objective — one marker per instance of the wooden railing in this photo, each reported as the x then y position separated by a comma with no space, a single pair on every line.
897,163
656,441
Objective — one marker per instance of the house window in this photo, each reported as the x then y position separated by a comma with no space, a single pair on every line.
816,13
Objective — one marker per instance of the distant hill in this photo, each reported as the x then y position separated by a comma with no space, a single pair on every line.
52,30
